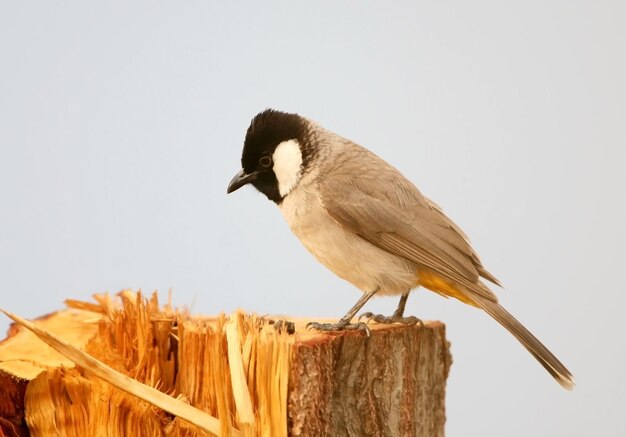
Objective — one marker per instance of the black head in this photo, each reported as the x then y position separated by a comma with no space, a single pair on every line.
267,130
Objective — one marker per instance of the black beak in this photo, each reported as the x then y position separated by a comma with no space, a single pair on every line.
242,178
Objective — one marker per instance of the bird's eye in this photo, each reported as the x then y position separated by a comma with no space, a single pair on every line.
265,161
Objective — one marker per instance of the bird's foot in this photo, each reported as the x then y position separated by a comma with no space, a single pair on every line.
395,318
339,326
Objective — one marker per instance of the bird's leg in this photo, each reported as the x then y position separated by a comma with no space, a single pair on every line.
397,317
344,322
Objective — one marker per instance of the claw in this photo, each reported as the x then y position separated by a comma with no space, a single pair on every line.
367,316
311,325
362,327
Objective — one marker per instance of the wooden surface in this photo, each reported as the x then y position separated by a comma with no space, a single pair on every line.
307,384
23,357
391,384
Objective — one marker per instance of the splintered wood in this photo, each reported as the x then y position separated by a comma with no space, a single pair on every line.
234,375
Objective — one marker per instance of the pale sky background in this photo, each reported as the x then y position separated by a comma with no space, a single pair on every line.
121,124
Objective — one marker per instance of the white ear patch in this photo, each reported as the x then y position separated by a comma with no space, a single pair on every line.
287,165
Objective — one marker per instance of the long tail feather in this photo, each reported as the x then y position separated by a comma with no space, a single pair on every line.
530,342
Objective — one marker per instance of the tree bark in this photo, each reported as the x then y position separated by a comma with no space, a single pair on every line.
239,369
391,384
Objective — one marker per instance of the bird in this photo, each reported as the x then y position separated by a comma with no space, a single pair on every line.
368,224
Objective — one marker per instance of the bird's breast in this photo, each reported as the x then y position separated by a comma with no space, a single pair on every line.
346,254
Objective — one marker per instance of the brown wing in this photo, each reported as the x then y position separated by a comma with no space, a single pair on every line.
376,202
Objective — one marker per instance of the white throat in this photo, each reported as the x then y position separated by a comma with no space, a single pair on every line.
287,160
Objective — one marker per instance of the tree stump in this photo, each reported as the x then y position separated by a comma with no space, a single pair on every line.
254,379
